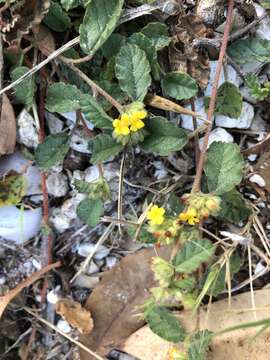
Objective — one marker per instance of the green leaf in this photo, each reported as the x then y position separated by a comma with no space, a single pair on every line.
70,4
179,85
25,91
229,100
94,112
249,50
192,255
112,46
235,263
256,90
199,344
234,207
224,167
158,34
57,19
52,150
132,69
164,137
265,3
63,98
165,325
187,284
146,45
90,211
100,20
104,146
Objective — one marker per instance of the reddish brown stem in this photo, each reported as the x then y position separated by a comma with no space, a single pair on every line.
197,181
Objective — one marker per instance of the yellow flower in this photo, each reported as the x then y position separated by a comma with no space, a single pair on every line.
136,120
156,215
121,126
189,216
175,354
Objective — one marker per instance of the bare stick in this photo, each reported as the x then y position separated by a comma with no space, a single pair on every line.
197,181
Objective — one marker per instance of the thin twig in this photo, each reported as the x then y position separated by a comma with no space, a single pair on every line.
120,190
197,182
92,253
53,327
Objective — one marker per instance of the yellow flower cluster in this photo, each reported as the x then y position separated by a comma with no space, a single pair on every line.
176,354
128,122
189,216
156,215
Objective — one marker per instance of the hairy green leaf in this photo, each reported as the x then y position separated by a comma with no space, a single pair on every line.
223,167
70,4
229,100
256,90
103,146
63,98
52,150
192,255
219,285
99,22
94,112
57,19
179,85
164,137
132,69
199,344
25,91
112,46
90,211
146,45
158,34
165,325
249,50
234,207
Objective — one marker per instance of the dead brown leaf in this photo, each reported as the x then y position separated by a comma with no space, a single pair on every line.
145,345
114,302
44,39
186,57
19,18
75,315
7,127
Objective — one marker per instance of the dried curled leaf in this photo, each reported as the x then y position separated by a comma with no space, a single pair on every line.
183,55
7,127
18,19
75,315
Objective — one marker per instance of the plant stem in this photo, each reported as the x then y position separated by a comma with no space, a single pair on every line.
197,181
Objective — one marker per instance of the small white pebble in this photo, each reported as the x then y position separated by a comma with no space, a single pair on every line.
261,205
259,267
64,326
257,179
268,226
252,157
36,264
111,261
2,280
52,296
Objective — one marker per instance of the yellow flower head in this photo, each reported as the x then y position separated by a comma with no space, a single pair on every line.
130,121
189,216
136,120
175,354
156,215
121,126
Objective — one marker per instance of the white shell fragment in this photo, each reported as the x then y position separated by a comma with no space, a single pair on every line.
217,134
232,77
187,122
19,225
257,179
243,122
27,132
57,184
87,248
64,326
